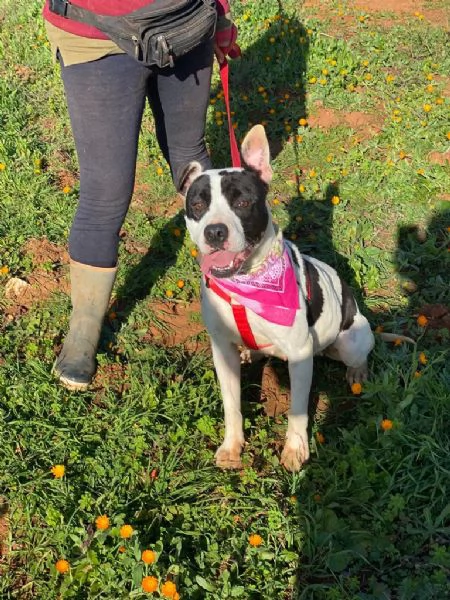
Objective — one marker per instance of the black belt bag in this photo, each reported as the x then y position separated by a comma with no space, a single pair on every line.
156,34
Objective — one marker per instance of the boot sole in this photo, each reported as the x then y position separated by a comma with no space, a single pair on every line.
73,386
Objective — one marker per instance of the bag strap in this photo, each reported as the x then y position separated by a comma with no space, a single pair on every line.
64,8
224,77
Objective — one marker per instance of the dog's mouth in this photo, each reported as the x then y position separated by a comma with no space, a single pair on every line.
223,263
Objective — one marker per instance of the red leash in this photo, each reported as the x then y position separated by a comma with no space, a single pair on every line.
224,75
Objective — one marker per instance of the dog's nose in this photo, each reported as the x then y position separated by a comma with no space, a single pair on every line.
216,234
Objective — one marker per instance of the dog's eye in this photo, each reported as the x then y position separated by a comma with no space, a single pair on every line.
242,203
197,206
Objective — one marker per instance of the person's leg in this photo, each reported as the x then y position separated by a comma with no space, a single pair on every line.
179,98
105,100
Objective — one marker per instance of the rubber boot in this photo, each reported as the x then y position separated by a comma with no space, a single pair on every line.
90,292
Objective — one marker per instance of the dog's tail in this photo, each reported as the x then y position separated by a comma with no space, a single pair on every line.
393,337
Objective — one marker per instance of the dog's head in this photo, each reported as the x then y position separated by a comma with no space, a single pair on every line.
226,211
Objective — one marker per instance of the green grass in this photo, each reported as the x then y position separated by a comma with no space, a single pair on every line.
368,518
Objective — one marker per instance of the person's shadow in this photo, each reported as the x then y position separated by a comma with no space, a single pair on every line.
423,262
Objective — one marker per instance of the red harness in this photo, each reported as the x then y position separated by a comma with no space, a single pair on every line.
240,312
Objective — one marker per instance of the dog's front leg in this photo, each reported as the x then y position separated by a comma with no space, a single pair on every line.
227,362
296,448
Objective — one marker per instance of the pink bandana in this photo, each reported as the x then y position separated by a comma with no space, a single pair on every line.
271,291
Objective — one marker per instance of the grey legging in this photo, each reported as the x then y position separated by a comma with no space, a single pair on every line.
106,99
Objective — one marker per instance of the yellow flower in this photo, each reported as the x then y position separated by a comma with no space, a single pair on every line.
323,81
390,78
4,270
255,540
356,388
180,284
417,374
276,201
335,200
62,566
169,293
299,138
440,100
2,166
126,531
429,77
149,584
303,122
386,424
67,189
368,76
325,71
422,358
422,321
194,252
58,471
320,437
430,88
301,188
168,589
148,556
176,232
427,107
102,522
398,342
448,135
159,171
365,63
261,89
402,154
420,172
312,173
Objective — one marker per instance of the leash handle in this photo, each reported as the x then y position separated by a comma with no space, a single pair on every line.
224,77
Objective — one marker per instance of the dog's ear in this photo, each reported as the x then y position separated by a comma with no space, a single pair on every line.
255,152
190,173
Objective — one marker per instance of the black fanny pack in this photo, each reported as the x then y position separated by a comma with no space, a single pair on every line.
156,34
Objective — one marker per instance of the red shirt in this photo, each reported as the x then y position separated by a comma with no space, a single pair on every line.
105,7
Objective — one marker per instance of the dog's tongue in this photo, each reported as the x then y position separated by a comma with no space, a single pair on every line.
221,258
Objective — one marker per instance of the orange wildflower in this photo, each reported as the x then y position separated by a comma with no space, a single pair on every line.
102,522
149,584
62,566
422,321
148,556
356,388
255,540
417,374
386,424
126,531
58,471
168,589
122,549
303,122
422,358
180,284
320,437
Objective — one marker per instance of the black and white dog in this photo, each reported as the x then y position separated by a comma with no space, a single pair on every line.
258,291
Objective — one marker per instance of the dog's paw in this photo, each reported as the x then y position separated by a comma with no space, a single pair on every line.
293,456
357,374
229,457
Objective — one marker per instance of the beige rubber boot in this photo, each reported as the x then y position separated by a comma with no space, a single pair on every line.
90,292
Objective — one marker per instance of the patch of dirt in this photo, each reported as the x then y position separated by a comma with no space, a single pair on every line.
43,251
366,125
440,158
111,376
438,315
4,528
275,392
177,324
47,277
